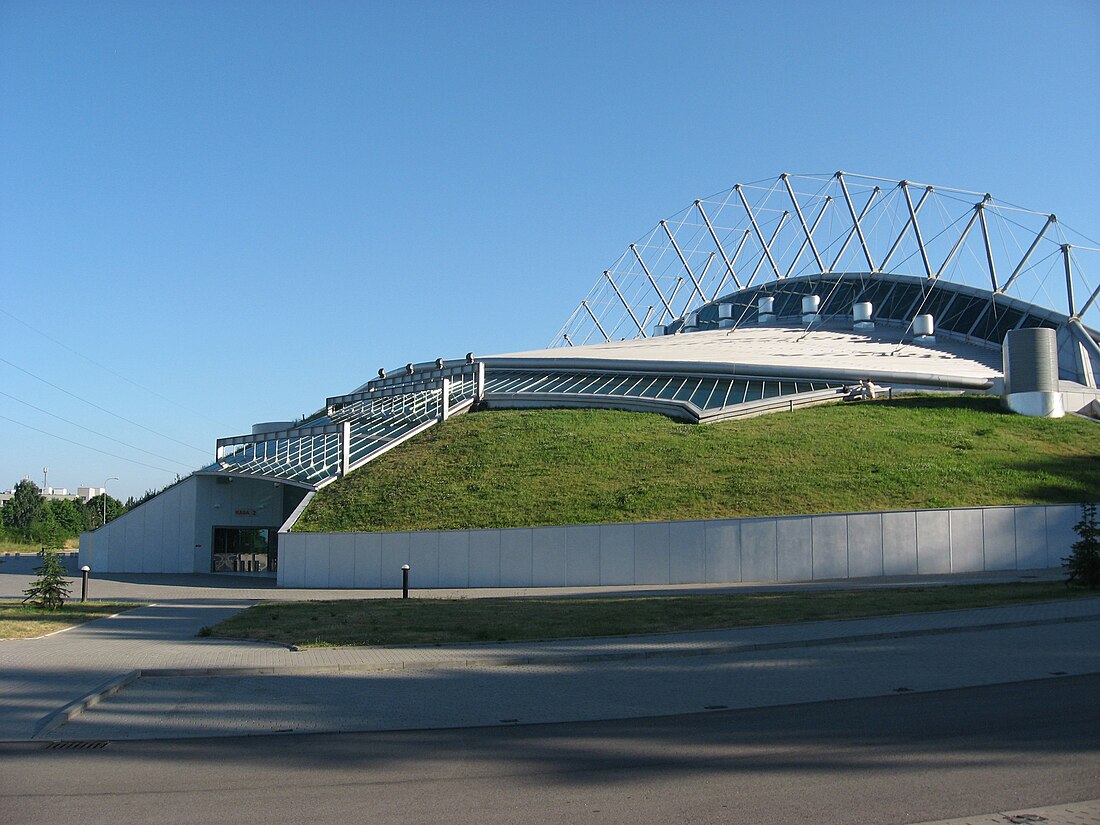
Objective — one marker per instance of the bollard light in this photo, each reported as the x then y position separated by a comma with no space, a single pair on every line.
84,571
404,581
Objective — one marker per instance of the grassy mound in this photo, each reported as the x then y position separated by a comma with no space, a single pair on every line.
514,468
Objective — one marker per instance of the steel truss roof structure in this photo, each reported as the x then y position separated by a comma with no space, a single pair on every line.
793,226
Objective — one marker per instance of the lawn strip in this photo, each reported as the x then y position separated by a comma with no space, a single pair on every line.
19,621
448,621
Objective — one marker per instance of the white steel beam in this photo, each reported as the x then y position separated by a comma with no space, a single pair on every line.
1069,280
759,234
729,264
595,320
768,256
718,243
1051,219
916,226
653,284
988,245
855,228
808,232
802,248
630,312
683,260
959,242
901,235
855,220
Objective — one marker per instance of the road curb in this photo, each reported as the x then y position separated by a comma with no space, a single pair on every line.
59,717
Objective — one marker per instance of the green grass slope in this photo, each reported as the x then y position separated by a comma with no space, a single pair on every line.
513,468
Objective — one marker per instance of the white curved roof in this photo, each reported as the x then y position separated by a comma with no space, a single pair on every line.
784,351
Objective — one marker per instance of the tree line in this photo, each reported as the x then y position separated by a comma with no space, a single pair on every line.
30,518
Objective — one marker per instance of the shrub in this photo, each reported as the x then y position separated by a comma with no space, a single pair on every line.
51,588
1083,564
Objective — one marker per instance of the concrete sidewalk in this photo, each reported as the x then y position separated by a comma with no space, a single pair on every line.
41,677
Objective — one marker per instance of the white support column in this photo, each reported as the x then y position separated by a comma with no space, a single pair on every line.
1069,280
445,398
479,381
345,448
901,235
988,246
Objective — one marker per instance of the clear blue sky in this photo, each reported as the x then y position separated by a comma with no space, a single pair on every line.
239,208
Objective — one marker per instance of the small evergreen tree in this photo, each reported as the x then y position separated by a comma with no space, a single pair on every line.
1083,564
51,588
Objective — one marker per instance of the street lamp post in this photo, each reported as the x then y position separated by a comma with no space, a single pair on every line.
112,478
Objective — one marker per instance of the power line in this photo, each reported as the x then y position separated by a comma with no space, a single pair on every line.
107,369
102,409
93,432
85,446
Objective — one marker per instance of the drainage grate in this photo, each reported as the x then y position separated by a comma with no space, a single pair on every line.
76,746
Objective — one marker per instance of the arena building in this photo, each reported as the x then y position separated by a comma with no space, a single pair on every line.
766,297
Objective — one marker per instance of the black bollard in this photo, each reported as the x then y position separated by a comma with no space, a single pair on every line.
404,581
84,582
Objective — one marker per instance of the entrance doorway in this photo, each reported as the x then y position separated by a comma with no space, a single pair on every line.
244,550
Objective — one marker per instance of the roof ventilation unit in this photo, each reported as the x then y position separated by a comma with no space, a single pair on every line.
725,316
924,330
659,330
1031,372
765,310
810,305
861,316
691,321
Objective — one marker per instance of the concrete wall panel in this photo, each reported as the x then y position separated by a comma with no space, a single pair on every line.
899,543
723,551
933,541
651,552
795,549
617,550
485,558
864,545
395,553
516,558
582,555
317,559
758,548
368,560
685,557
967,541
999,537
454,558
341,560
830,547
292,560
548,556
424,559
1031,537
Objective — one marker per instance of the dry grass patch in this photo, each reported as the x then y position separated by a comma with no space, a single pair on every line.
20,621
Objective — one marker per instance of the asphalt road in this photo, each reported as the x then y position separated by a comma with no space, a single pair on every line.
896,759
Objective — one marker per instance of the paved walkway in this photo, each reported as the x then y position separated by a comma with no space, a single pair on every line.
170,683
152,655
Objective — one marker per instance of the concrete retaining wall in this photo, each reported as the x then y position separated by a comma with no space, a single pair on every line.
792,548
